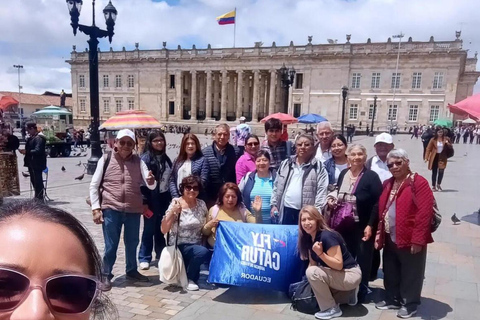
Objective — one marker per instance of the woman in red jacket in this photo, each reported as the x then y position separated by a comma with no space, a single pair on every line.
404,230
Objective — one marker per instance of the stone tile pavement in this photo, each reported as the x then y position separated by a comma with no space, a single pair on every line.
452,282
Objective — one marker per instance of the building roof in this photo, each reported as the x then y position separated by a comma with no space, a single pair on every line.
38,99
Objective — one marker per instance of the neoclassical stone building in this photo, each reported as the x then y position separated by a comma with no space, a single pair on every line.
203,85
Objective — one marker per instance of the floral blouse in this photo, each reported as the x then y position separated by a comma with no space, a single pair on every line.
191,223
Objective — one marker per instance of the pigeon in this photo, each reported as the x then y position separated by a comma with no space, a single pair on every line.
455,220
466,154
26,175
79,164
63,169
80,177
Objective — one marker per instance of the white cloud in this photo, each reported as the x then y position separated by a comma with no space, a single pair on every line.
37,34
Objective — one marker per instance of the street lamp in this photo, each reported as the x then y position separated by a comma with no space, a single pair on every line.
110,13
399,36
374,112
287,77
344,96
19,98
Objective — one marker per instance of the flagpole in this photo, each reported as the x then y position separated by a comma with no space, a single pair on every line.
235,27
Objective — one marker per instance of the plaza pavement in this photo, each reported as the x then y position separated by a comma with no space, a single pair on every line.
452,281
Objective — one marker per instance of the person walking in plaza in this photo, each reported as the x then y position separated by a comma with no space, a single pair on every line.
404,230
117,201
279,150
333,273
35,158
427,135
301,180
155,201
465,134
246,162
338,162
436,156
242,131
362,188
185,218
190,161
259,183
229,207
325,138
349,133
221,157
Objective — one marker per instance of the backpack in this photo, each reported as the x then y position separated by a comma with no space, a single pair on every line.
303,298
105,166
243,211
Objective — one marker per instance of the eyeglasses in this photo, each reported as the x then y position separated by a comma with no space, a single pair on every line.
396,163
128,143
192,188
67,294
253,144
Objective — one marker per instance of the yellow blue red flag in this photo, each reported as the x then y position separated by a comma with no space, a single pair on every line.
227,18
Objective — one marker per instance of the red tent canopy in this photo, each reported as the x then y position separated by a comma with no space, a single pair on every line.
467,107
7,101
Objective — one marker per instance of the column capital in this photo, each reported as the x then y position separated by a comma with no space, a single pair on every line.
193,71
256,71
208,72
240,71
273,71
224,73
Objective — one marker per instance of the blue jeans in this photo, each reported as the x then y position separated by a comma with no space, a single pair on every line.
152,237
194,255
112,228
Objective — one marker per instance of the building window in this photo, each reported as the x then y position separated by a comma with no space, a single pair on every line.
297,110
417,80
118,81
172,81
106,83
370,112
299,81
81,81
131,81
118,104
395,81
438,80
356,80
171,107
83,107
376,80
392,112
413,113
106,106
434,113
131,104
353,112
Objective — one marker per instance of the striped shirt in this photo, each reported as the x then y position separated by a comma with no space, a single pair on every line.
263,187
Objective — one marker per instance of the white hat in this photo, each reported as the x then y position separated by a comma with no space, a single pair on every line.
126,133
242,118
384,137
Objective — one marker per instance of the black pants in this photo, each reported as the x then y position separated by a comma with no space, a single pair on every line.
36,179
465,138
290,216
436,170
403,273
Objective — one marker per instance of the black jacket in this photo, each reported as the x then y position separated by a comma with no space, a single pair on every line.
367,194
220,174
35,155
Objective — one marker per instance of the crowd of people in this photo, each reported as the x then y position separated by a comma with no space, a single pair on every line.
347,207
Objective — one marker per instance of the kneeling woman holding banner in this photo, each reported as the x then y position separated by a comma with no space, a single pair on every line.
184,220
333,273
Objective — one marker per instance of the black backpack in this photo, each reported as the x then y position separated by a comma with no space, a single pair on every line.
303,298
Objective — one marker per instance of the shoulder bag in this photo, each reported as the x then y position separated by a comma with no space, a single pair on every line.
105,166
437,217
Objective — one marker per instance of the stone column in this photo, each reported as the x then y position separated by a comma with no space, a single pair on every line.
208,111
216,92
164,82
239,93
256,74
201,94
179,95
271,100
193,96
223,104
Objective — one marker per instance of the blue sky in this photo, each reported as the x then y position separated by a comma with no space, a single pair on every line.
37,34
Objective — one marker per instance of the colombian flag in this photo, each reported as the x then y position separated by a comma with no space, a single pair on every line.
227,18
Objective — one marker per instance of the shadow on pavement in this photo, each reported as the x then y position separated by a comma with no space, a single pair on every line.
242,295
433,309
354,312
449,190
472,218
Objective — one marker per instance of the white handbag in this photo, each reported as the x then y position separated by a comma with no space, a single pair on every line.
171,266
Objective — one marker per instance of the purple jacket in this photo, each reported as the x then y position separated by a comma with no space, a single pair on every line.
245,164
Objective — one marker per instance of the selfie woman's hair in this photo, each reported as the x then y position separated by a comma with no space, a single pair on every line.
103,308
305,242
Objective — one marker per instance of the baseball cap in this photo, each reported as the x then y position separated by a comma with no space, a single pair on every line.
125,133
384,137
242,118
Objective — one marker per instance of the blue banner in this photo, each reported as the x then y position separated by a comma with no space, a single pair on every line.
256,255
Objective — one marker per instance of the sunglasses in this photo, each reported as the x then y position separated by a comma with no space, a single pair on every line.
192,188
128,143
253,144
396,163
67,294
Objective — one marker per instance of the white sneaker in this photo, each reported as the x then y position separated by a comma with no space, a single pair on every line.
144,265
192,286
353,301
333,312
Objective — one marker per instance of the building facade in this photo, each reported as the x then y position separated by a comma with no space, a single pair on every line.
196,85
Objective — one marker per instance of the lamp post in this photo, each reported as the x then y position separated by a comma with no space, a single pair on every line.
399,36
344,96
288,77
374,112
18,66
110,13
